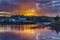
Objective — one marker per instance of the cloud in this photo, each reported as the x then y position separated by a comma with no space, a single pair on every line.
8,5
47,6
50,5
9,1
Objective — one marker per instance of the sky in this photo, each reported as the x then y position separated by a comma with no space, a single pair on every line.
45,7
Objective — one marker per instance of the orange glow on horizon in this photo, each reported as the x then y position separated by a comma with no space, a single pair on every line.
28,10
29,13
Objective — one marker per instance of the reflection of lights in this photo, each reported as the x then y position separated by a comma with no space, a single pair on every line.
29,31
37,36
5,29
29,26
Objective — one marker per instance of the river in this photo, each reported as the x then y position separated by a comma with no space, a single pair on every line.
27,32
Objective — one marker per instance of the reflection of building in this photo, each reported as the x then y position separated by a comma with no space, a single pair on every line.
5,14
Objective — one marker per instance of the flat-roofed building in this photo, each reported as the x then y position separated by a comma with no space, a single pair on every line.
5,14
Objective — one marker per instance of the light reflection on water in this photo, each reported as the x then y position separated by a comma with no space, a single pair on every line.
26,33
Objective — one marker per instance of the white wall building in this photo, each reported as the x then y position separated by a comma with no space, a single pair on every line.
5,14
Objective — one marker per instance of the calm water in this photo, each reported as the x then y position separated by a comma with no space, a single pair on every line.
26,32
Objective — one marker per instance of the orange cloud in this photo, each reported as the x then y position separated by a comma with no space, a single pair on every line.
28,9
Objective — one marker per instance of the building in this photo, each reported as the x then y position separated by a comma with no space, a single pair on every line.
5,14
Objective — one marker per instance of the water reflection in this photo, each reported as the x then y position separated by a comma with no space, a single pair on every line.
26,32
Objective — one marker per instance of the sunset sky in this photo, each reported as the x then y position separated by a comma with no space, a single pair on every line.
40,7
